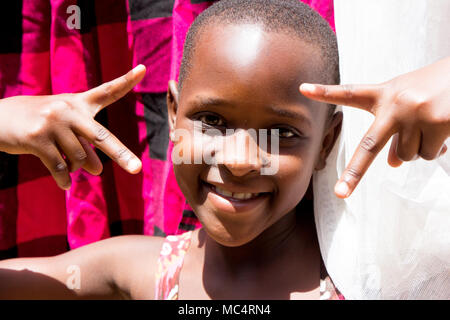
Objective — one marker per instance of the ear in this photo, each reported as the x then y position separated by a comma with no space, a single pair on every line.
172,106
332,132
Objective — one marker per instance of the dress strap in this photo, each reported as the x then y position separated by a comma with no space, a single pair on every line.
170,263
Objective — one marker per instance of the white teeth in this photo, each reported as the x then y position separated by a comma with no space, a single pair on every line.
239,195
224,192
236,195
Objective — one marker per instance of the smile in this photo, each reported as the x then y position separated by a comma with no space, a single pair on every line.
229,201
235,195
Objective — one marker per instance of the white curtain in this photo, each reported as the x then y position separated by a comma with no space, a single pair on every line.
391,238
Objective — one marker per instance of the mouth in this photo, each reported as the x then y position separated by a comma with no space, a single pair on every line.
234,195
230,201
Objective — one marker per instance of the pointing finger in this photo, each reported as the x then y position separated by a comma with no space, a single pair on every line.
104,140
359,96
372,143
112,91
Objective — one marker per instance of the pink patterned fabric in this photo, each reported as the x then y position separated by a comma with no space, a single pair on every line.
170,263
171,260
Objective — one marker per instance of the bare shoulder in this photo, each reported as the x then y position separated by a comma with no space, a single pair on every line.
135,259
133,243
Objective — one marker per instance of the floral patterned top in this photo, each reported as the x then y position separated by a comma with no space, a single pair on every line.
171,260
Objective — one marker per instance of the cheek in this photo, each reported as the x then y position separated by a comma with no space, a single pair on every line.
187,177
294,175
185,166
186,144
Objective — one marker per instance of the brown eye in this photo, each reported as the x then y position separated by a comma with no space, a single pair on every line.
211,120
283,133
286,133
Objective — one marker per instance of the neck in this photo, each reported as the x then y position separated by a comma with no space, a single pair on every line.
290,234
282,260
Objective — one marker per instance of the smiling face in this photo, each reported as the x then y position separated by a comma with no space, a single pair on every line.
242,77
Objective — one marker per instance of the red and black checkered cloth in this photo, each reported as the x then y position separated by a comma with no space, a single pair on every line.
40,55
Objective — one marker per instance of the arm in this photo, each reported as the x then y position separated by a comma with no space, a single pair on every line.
115,268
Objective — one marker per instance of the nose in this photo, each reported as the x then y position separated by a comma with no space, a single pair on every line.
240,154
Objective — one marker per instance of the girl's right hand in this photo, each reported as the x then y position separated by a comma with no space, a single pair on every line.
50,126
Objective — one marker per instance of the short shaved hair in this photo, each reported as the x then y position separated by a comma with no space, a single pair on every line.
290,17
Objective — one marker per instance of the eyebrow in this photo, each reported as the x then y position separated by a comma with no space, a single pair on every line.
210,102
289,114
202,102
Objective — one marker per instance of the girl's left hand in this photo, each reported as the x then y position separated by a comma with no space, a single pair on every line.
414,107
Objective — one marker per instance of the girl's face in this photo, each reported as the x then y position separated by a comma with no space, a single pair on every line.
243,78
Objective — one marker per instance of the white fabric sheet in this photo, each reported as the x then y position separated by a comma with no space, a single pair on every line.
391,238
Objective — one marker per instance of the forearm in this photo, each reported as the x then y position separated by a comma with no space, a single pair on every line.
30,278
67,276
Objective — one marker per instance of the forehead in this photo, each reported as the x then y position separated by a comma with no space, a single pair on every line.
245,59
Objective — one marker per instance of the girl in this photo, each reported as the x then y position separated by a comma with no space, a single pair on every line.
258,239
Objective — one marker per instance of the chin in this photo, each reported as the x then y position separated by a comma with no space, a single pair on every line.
231,234
229,240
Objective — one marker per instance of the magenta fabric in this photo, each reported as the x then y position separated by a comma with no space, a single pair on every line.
184,14
40,55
